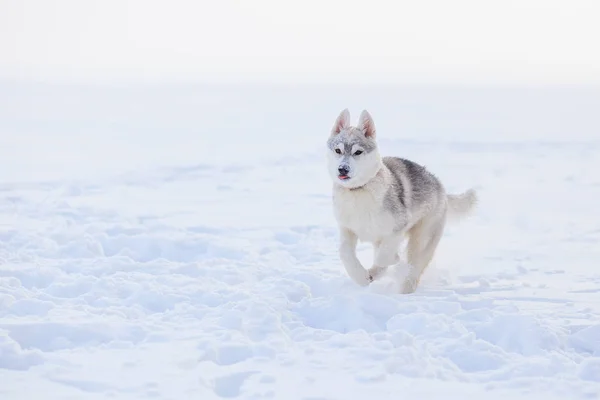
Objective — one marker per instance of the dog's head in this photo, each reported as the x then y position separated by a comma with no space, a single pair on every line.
353,157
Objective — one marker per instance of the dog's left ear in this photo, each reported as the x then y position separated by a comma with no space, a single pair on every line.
366,124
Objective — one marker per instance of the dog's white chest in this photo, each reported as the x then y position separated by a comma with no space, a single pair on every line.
364,213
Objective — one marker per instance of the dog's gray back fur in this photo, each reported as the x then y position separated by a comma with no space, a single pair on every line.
413,187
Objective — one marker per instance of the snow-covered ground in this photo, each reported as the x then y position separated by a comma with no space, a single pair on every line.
178,243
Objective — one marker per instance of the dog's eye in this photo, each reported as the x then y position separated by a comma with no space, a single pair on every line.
338,151
358,152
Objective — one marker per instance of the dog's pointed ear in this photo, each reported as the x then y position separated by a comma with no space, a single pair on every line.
342,122
366,124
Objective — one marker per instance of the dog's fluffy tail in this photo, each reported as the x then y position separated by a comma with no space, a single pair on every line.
461,205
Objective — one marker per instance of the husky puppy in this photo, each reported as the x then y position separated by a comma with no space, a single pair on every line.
382,200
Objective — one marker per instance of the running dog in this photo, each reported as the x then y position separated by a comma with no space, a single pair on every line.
382,200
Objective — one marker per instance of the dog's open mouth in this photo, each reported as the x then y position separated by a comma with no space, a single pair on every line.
343,177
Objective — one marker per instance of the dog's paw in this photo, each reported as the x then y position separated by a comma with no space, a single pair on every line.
409,286
375,272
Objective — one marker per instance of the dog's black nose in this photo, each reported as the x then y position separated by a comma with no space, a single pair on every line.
343,170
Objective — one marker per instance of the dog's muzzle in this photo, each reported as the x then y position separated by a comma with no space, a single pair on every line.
343,172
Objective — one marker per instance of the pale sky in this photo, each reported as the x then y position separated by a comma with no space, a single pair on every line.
396,41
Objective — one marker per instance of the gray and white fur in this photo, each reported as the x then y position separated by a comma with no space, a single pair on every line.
381,200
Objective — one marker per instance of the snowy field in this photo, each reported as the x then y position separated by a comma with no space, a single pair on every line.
179,243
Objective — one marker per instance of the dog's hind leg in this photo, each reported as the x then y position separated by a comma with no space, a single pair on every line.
424,238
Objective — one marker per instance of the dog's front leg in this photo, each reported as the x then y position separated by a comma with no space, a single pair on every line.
386,254
352,264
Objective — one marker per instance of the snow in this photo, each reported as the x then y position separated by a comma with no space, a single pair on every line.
174,243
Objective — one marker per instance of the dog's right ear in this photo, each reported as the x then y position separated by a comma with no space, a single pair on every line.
342,122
